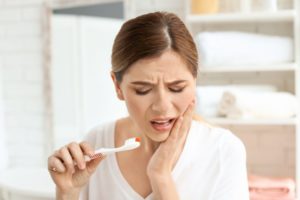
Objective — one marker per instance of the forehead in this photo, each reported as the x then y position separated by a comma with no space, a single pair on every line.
169,65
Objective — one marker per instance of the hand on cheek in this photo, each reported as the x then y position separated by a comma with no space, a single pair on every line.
165,157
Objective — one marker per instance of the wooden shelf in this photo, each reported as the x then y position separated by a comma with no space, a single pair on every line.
226,121
272,68
279,16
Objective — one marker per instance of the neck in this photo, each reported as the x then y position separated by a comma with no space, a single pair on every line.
148,146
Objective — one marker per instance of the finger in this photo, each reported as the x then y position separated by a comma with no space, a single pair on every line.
55,164
86,148
67,159
77,154
171,143
190,109
92,165
184,125
187,119
175,130
188,114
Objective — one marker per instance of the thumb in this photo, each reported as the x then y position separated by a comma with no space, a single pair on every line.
92,165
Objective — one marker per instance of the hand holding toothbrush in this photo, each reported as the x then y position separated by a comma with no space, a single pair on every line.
72,165
68,177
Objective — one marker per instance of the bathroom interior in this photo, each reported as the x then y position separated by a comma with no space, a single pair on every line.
55,84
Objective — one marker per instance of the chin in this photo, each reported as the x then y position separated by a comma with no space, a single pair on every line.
159,137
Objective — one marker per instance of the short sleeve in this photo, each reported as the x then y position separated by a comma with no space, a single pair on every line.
232,181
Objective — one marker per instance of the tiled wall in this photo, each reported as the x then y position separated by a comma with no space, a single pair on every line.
271,150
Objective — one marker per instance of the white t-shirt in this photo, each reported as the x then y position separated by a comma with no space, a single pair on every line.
212,166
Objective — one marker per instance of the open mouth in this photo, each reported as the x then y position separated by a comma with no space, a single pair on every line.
162,122
162,125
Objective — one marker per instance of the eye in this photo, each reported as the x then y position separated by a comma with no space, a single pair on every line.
142,92
177,90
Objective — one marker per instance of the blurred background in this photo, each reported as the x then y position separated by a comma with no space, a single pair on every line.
55,83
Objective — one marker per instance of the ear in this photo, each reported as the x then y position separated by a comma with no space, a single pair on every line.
117,86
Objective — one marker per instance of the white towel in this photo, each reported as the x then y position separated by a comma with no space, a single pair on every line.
239,104
242,49
208,98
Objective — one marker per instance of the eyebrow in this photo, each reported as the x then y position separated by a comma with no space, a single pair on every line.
150,84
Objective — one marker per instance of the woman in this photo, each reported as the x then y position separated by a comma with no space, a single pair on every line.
154,69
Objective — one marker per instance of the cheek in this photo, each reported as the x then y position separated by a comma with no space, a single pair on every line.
135,107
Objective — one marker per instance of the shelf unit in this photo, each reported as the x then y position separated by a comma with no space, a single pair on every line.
258,68
286,15
283,22
224,121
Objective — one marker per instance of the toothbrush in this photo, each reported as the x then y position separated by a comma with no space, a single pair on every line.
129,144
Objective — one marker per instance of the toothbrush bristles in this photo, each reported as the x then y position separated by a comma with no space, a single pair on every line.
138,139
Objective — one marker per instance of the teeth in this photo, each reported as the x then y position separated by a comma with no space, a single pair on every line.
162,122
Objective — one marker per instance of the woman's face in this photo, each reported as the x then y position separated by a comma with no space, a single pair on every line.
157,91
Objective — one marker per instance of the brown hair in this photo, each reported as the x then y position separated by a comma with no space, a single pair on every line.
150,35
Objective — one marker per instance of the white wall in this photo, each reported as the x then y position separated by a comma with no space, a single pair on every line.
21,60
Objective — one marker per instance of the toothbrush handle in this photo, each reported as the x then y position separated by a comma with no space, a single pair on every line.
97,154
86,158
105,151
89,158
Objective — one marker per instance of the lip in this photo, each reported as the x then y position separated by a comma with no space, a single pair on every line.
165,125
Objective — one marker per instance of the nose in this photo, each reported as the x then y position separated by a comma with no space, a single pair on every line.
162,103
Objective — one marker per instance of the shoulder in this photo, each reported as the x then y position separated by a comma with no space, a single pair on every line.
222,140
100,134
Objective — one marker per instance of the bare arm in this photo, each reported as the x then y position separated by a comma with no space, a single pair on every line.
164,188
70,195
